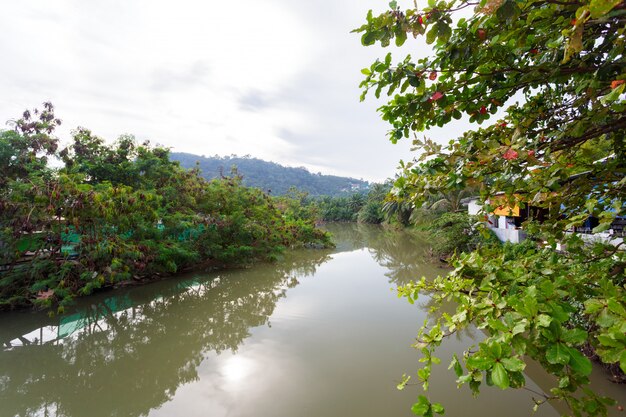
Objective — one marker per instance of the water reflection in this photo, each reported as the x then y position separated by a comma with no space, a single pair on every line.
127,354
405,255
241,343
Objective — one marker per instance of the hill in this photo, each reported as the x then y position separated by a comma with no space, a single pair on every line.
271,176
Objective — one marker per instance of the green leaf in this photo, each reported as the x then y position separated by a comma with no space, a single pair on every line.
479,362
393,4
400,37
574,336
593,306
458,370
495,349
508,11
602,227
499,376
557,353
431,35
613,95
578,362
421,407
622,361
438,408
513,364
368,38
599,8
543,320
605,319
405,380
616,307
606,340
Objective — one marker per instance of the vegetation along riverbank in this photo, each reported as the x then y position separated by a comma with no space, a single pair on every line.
546,81
121,213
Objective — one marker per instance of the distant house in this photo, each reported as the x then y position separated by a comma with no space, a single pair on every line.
506,223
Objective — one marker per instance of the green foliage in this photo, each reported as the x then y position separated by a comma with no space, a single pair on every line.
458,232
123,212
336,209
363,208
554,73
371,212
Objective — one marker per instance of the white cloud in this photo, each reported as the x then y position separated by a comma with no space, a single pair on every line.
274,79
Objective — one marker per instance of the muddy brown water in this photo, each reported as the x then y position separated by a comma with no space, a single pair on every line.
320,333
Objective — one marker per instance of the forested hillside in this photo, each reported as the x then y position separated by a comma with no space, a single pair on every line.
271,176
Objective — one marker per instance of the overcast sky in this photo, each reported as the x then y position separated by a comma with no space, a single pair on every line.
275,79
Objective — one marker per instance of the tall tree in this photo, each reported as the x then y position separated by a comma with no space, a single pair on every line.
552,74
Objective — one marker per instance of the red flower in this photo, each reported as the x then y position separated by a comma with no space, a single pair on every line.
483,110
433,75
420,20
436,96
616,83
510,154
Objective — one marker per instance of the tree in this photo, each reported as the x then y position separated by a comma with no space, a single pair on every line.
553,74
450,200
121,213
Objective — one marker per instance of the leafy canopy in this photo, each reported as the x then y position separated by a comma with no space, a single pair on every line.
545,79
118,213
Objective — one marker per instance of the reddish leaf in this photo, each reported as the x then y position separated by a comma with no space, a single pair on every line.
436,96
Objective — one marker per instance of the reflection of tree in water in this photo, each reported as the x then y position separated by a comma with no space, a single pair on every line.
127,362
402,253
133,351
405,255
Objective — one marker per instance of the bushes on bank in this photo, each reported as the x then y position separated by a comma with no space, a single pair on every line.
119,213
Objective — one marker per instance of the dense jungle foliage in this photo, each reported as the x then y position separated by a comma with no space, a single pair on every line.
359,207
113,214
553,74
272,177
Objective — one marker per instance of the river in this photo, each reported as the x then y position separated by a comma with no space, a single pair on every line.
319,333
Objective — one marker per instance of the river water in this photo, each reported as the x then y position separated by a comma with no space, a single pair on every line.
320,333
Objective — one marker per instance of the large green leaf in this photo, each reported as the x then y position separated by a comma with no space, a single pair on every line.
513,364
558,353
579,363
599,8
421,407
499,376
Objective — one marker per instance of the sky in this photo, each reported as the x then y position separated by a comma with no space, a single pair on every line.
273,79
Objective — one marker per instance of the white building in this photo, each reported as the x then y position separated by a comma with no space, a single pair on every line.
506,224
